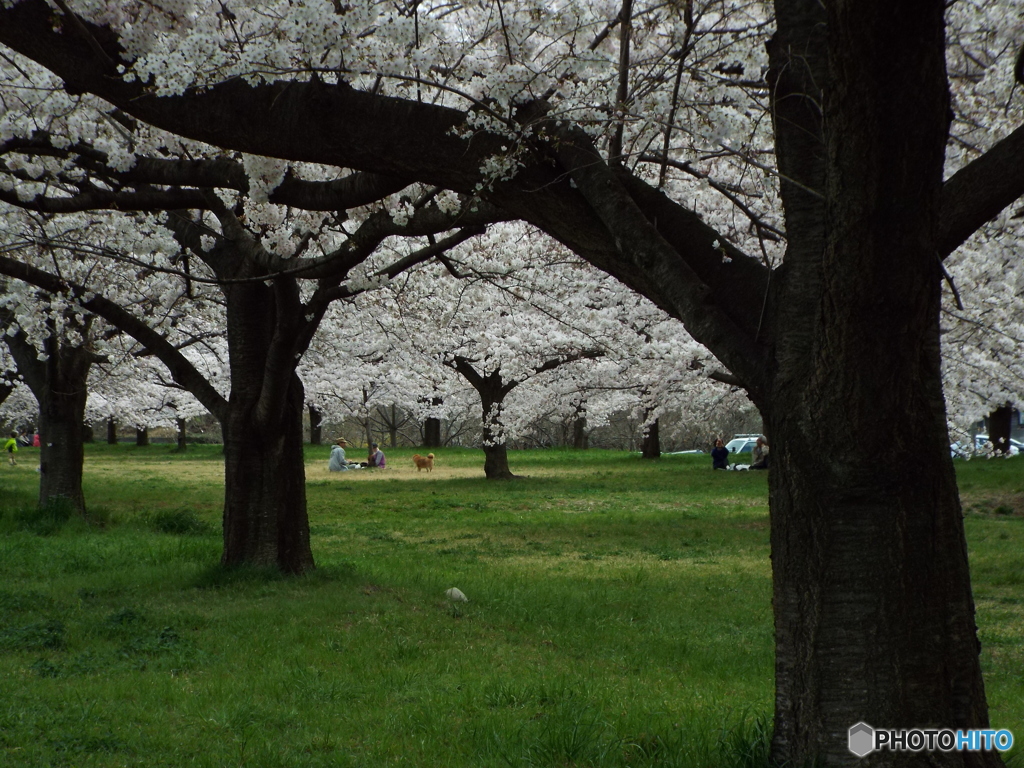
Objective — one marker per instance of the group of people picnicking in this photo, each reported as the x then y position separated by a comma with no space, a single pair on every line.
339,463
758,456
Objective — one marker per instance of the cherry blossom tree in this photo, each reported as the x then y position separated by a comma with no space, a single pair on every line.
664,143
983,329
55,345
134,388
266,266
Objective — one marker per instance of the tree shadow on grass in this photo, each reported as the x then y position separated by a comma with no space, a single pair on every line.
220,576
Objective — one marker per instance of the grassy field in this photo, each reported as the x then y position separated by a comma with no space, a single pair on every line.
619,615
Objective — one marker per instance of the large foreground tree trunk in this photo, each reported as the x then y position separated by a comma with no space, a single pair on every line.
61,453
873,611
265,520
874,617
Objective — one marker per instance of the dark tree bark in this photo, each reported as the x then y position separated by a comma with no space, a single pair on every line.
59,386
182,436
88,435
496,462
651,448
874,617
432,429
432,432
580,435
316,430
492,394
1000,424
265,519
111,431
142,437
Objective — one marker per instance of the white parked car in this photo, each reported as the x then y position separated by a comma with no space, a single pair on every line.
742,443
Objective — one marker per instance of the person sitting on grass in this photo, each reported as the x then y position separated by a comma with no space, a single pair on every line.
719,455
12,447
759,459
376,457
338,462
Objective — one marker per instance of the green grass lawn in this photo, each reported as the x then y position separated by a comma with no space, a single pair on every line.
619,615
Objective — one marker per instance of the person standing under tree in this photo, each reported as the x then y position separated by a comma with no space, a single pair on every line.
12,447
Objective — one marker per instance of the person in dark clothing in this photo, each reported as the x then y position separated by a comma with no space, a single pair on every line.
719,455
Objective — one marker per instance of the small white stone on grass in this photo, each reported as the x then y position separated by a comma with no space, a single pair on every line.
455,595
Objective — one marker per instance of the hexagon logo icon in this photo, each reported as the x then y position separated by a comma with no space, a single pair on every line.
861,739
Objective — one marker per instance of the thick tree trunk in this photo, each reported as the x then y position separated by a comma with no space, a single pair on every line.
651,448
432,433
496,462
142,436
873,611
492,393
111,431
432,428
495,450
265,521
59,386
316,430
874,617
61,453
